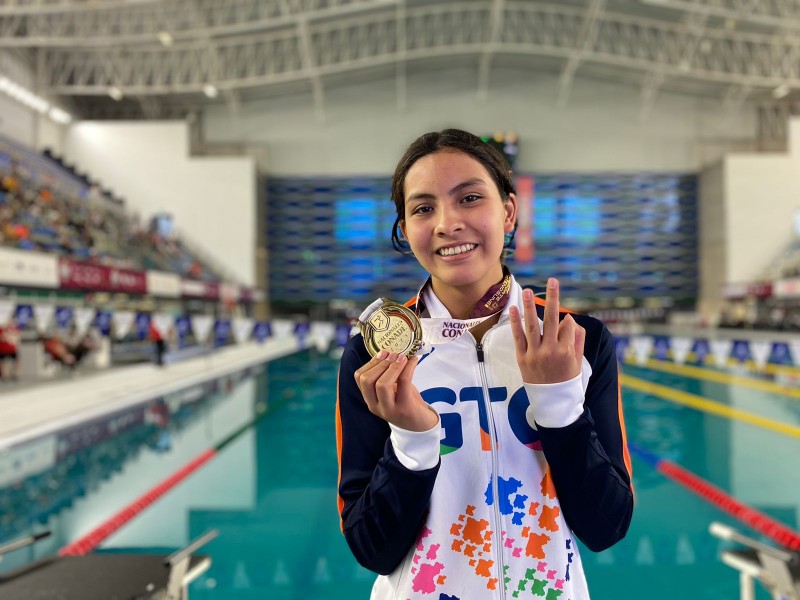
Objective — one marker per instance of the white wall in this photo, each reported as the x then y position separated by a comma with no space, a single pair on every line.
148,164
747,214
50,134
762,194
599,130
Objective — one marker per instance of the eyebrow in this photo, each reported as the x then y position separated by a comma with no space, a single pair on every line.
455,190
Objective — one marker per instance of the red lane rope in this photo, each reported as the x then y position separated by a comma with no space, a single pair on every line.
92,539
756,520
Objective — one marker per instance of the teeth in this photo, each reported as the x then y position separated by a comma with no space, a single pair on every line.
456,250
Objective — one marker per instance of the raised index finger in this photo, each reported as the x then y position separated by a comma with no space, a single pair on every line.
551,311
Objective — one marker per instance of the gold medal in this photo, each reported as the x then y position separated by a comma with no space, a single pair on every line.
391,327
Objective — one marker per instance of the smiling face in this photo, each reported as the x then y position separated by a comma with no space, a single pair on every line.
455,222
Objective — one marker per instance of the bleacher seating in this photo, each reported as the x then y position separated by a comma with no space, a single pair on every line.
46,206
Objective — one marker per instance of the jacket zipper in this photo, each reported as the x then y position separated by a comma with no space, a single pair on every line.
498,541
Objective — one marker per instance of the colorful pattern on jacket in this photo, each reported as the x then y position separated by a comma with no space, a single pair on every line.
441,533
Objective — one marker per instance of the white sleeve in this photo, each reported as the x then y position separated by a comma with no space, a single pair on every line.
556,404
417,450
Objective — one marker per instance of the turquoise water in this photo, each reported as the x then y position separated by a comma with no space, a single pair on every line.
272,492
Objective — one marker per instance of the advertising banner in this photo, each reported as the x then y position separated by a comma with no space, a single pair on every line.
128,282
123,322
222,331
142,323
163,322
43,314
199,289
525,247
25,268
242,328
201,325
183,327
163,285
83,319
64,316
103,321
282,328
787,288
24,314
7,308
262,331
74,275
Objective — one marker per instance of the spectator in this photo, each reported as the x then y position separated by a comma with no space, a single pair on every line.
58,351
159,345
9,344
79,345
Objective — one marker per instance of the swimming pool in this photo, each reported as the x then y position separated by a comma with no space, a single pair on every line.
271,488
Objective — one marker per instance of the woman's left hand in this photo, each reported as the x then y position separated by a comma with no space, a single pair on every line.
552,353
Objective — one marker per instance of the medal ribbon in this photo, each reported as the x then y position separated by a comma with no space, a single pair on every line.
444,330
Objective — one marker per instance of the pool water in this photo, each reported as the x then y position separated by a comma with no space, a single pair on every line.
271,492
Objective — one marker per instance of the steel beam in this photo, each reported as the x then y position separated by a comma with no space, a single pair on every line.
485,63
587,38
141,22
781,14
322,48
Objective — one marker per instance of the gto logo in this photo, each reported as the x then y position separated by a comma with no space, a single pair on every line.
452,421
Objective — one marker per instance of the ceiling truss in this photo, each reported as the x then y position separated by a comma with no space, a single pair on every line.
85,47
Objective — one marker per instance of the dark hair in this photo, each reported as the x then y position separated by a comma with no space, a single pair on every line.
448,139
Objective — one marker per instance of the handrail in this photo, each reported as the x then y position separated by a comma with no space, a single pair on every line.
22,542
183,553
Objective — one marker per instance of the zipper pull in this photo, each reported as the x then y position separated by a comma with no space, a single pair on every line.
479,350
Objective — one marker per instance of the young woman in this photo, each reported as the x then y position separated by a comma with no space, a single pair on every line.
467,472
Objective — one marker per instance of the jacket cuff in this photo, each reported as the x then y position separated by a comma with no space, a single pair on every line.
417,450
556,404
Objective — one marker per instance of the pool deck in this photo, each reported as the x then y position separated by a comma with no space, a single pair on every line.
37,410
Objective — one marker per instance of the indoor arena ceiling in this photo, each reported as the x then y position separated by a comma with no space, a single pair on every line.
152,58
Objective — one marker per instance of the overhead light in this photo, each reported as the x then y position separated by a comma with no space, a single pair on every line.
781,91
60,116
210,90
23,95
115,93
165,37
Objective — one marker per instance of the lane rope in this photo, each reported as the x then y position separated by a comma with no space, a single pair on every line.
94,538
706,405
716,376
752,518
91,540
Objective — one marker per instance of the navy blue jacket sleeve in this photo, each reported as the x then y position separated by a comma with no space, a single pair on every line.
382,504
589,459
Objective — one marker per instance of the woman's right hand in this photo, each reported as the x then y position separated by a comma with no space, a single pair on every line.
385,383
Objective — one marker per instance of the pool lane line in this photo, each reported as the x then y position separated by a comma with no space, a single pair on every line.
96,536
769,368
713,375
752,518
705,405
91,540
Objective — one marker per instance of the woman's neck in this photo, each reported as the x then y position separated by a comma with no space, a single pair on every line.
457,301
460,300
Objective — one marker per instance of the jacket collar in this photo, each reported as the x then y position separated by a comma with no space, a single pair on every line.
429,305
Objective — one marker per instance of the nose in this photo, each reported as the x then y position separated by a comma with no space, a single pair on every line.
449,222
